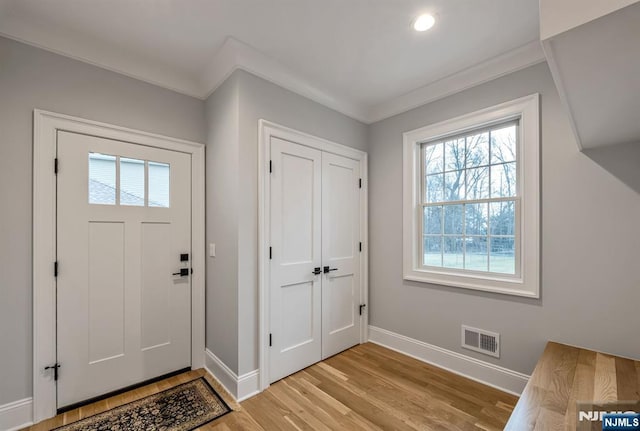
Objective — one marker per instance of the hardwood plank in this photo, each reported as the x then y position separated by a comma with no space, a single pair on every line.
565,376
366,388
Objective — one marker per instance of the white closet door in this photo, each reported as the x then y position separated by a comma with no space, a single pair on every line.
340,253
295,291
124,218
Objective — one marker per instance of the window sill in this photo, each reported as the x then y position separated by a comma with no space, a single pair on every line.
514,286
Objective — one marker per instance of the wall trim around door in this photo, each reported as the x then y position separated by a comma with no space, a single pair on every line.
483,372
45,127
266,130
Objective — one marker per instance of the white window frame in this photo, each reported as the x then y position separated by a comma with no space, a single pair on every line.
527,281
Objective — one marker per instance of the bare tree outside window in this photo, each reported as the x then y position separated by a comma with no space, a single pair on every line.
470,195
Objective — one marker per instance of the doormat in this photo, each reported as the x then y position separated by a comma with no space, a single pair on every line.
181,408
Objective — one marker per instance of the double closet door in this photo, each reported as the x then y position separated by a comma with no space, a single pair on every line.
315,287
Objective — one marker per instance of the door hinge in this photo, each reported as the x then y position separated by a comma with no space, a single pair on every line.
360,247
270,166
53,367
361,307
55,268
270,253
55,166
270,340
359,183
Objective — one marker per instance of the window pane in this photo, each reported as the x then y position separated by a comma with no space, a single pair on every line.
503,218
476,257
478,150
453,219
434,186
453,252
159,184
433,159
454,186
131,182
432,250
503,256
503,145
102,179
433,220
478,183
503,180
454,155
476,219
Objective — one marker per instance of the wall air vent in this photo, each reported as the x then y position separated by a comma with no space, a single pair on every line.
481,341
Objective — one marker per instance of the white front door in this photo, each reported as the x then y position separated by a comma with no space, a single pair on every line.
123,221
340,253
315,284
295,291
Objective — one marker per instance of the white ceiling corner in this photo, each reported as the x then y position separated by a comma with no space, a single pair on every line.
235,54
506,63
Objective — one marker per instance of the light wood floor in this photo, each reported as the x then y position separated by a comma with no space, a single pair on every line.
367,387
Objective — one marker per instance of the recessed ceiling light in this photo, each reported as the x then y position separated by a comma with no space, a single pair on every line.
424,22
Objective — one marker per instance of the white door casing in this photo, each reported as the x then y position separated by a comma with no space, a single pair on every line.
347,322
123,318
46,127
341,287
295,291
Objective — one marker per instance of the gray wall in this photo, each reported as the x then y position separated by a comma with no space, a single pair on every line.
590,241
260,99
222,222
32,78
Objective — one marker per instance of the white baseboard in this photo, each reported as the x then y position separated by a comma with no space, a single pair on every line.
240,387
489,374
16,415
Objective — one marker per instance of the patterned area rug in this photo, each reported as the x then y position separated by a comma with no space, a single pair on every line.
181,408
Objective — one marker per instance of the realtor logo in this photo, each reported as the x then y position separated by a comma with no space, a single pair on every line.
621,422
614,416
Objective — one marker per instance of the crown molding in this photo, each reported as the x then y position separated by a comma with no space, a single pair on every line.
235,54
504,64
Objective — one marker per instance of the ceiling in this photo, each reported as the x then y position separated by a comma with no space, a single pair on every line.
360,57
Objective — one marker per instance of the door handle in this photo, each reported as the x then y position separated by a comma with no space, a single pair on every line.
184,272
327,269
316,270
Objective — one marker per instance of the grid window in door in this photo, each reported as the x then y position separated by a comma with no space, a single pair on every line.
115,180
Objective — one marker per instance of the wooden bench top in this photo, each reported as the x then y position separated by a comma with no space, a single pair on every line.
566,375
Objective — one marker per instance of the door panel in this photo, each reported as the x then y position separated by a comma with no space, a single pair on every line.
295,292
122,316
106,291
340,251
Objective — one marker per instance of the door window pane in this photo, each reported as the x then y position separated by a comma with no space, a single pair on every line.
102,179
131,182
159,184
